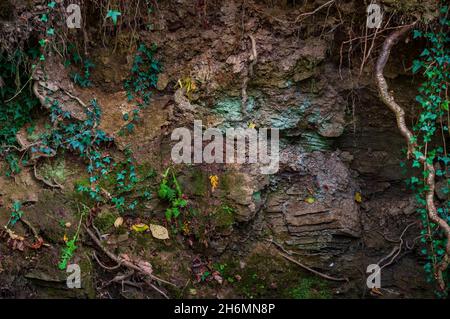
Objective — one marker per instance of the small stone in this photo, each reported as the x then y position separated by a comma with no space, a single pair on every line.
442,190
163,80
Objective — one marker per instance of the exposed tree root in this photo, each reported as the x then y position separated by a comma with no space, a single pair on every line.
253,60
388,99
39,241
126,262
318,273
40,97
307,14
395,252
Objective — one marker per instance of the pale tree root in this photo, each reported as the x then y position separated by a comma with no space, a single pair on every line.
285,254
388,99
129,264
253,61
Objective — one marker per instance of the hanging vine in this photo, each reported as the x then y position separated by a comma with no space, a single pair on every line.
427,154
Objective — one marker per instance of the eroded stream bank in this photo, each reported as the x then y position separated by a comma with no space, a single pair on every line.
337,204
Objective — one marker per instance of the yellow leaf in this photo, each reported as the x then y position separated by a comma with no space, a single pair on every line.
310,200
139,228
193,86
159,232
65,238
214,179
118,222
251,125
358,197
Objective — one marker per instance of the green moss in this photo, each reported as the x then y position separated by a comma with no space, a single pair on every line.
105,220
54,171
270,276
199,181
310,288
223,217
79,197
87,275
225,182
143,241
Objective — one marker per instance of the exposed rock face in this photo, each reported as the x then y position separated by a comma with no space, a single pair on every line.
316,206
336,142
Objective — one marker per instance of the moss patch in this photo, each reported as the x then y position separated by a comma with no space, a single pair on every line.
267,275
54,171
223,217
105,220
310,288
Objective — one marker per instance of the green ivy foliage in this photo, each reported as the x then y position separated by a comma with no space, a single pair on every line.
143,79
432,125
119,184
74,58
16,102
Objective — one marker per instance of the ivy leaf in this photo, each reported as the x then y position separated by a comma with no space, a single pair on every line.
417,34
445,105
52,4
416,66
425,52
113,15
418,154
51,31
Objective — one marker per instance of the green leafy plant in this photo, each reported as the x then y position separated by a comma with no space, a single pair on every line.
84,80
16,213
70,247
170,191
143,78
113,14
67,253
74,58
16,103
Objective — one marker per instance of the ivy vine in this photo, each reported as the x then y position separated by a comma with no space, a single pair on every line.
430,133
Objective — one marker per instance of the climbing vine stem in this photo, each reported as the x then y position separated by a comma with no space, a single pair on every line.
433,62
